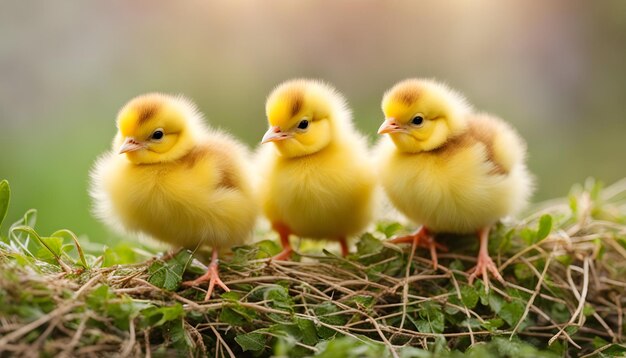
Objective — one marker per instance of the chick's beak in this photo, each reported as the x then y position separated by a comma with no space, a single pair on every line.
390,126
274,134
130,145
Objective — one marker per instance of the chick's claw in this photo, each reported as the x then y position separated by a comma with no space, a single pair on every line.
283,255
484,266
212,277
423,239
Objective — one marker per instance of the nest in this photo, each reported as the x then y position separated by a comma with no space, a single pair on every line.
564,268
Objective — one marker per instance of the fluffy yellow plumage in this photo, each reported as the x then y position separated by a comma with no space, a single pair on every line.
317,181
448,168
170,177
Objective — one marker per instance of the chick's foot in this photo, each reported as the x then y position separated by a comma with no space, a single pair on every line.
484,263
284,255
484,266
211,276
424,239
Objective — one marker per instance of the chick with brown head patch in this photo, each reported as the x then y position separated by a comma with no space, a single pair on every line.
449,168
170,177
316,177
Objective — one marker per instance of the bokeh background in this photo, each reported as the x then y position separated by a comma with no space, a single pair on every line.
556,70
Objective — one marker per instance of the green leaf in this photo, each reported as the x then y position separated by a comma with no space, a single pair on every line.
52,246
545,226
51,251
528,235
119,255
5,198
252,341
231,296
237,315
362,302
348,347
123,311
588,310
326,312
504,347
469,296
457,265
168,275
511,312
98,298
566,260
163,277
599,342
177,334
495,302
571,330
267,248
157,316
278,297
309,332
368,245
388,229
615,350
522,271
79,249
433,318
230,316
492,324
287,331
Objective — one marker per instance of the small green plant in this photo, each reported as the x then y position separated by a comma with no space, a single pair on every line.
564,265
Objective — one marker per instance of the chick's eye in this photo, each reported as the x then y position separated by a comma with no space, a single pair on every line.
304,124
158,134
417,120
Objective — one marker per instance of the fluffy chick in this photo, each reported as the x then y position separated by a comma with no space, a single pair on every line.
170,177
449,168
317,181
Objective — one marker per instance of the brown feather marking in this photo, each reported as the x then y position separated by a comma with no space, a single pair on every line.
145,111
191,158
407,95
228,179
479,131
296,103
485,132
221,160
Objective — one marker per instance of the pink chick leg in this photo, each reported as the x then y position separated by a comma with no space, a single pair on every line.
484,263
344,247
211,276
284,232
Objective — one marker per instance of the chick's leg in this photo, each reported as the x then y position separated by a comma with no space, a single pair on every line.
424,239
484,263
211,276
344,246
284,232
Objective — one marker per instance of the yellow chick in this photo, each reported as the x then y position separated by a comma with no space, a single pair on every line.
170,177
449,168
317,181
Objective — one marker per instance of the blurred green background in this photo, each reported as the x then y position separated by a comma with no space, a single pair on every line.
556,70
